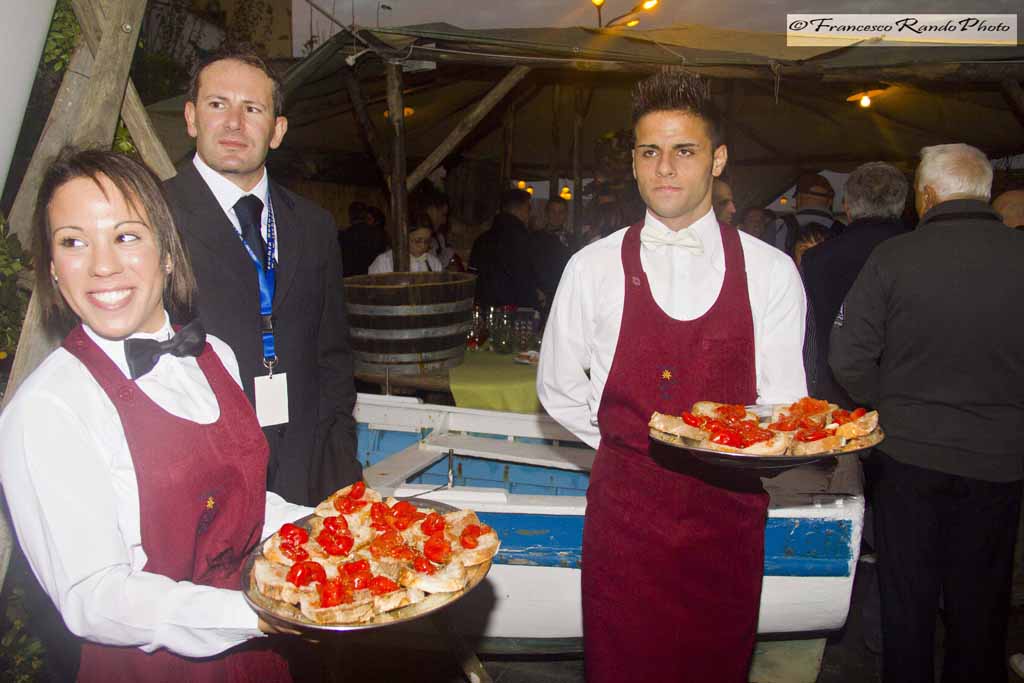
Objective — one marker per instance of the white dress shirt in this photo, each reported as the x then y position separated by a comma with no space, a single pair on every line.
586,315
74,500
227,195
427,263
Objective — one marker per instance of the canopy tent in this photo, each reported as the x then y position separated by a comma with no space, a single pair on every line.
786,108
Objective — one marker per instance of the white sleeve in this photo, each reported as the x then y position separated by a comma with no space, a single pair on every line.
779,337
280,511
381,264
563,385
60,494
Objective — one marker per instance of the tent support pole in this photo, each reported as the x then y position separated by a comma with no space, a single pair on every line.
556,100
363,122
579,114
508,127
479,111
399,194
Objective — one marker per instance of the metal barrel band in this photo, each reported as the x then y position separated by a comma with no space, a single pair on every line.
417,333
410,310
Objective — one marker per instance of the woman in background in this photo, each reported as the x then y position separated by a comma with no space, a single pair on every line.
420,258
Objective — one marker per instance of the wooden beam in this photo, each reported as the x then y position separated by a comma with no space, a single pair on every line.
98,118
576,207
556,142
363,122
476,114
1014,96
508,128
399,194
91,19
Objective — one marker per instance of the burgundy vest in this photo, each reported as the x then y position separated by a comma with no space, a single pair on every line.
202,499
673,552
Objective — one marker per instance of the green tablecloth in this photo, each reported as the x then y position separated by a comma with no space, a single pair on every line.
494,381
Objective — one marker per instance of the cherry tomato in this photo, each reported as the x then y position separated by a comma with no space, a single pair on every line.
727,411
437,549
727,437
295,535
381,585
356,566
335,544
347,506
432,524
693,420
469,536
361,580
381,518
357,490
423,565
334,592
305,573
293,552
336,525
858,413
403,508
808,435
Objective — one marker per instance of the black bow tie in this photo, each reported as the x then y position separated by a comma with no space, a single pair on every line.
143,354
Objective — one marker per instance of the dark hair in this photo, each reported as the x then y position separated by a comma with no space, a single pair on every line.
426,196
514,198
556,200
674,89
420,220
376,214
142,191
357,212
239,52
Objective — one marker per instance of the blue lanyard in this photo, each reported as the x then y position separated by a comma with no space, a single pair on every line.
267,276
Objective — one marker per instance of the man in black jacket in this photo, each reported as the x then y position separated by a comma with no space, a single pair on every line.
932,333
232,216
503,257
875,196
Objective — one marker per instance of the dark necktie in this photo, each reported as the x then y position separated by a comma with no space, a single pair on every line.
249,210
143,354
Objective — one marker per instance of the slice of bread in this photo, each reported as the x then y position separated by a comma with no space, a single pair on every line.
326,507
862,426
710,408
447,579
271,580
866,441
826,445
777,445
486,548
361,609
675,426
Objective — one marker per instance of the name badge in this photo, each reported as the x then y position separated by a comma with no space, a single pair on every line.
272,399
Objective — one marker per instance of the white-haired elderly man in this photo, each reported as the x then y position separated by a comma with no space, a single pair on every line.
932,334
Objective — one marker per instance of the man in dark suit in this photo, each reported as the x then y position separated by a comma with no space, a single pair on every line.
247,236
875,196
503,256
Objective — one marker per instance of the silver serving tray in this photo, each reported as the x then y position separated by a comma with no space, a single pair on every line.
766,464
284,615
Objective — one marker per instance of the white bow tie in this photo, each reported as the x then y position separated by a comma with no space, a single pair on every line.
686,239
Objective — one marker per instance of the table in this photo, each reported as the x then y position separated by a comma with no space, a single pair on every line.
486,380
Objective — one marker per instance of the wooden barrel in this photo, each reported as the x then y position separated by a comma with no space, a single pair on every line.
409,323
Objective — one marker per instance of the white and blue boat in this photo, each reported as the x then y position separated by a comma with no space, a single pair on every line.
527,477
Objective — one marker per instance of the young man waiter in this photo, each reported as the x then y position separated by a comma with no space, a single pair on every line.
269,276
657,316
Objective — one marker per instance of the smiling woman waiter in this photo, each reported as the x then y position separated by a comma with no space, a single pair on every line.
657,316
132,463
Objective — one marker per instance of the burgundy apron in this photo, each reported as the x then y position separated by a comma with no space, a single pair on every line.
202,498
673,552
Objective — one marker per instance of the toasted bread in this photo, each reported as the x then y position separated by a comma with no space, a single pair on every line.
826,445
777,445
822,417
361,609
862,426
446,579
487,547
675,426
326,507
271,580
709,409
395,599
866,441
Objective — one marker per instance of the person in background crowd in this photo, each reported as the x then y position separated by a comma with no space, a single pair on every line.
814,195
420,258
132,464
364,239
806,238
503,256
923,336
754,221
875,196
677,309
269,273
549,248
434,203
722,201
1010,206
